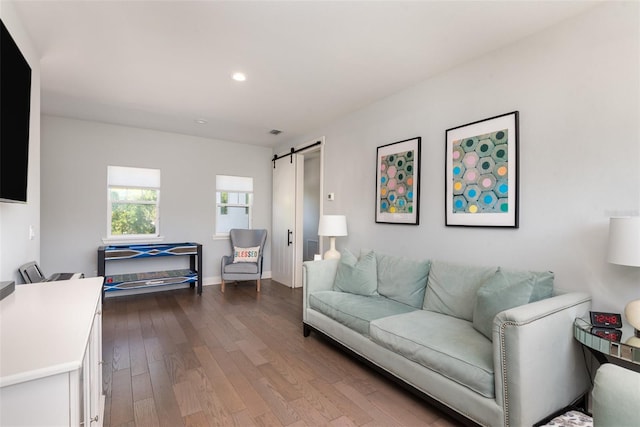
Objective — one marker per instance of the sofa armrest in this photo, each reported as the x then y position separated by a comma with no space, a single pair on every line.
616,396
317,276
539,367
226,260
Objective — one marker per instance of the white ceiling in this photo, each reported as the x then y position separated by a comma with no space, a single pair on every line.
163,64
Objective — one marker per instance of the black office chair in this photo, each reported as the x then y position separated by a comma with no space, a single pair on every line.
32,273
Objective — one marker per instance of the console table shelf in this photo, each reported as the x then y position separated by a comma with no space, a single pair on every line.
118,282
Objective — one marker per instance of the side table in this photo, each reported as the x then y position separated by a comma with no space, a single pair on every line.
604,350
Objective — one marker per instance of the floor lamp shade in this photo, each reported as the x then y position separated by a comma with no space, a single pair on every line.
332,226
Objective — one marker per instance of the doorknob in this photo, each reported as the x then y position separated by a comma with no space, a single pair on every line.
289,234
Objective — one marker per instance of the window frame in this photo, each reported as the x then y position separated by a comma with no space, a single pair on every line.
238,190
150,237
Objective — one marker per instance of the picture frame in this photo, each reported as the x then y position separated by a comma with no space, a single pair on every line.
481,173
398,182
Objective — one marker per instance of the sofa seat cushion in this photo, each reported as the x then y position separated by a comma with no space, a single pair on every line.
445,344
355,311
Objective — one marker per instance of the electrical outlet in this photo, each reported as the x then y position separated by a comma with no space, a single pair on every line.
331,196
32,233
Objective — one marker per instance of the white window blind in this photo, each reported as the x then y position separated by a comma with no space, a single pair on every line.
234,183
121,176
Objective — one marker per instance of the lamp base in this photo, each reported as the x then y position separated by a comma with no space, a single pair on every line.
632,313
332,253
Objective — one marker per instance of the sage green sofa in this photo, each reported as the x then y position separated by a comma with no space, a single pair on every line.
616,397
492,346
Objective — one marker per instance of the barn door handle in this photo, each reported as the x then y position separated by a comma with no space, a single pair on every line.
289,234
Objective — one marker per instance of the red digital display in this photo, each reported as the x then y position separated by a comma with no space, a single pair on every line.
606,320
608,334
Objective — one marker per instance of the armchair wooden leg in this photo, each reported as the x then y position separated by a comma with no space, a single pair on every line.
258,285
222,286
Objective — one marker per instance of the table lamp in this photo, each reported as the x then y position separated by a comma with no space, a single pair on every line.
332,226
624,249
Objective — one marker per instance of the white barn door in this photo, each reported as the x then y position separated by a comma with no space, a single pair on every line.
285,224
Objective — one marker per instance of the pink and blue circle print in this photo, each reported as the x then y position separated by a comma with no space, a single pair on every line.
396,182
480,173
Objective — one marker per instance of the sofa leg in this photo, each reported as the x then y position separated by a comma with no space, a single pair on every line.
306,330
258,285
222,286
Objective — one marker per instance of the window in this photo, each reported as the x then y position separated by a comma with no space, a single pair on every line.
133,202
234,200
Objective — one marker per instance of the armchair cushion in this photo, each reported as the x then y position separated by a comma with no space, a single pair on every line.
245,254
241,267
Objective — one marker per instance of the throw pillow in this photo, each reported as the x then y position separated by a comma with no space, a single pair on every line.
357,276
245,254
402,279
452,288
505,290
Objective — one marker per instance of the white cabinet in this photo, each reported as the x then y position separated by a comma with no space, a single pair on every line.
50,354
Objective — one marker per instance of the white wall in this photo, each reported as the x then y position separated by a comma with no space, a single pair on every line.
15,219
577,87
76,154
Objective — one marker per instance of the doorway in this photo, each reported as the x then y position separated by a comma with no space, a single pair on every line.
297,206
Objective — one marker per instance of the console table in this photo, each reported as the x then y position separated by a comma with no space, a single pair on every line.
118,282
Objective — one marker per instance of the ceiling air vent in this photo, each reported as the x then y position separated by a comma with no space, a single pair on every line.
275,132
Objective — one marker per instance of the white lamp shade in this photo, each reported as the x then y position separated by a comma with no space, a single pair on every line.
624,241
332,225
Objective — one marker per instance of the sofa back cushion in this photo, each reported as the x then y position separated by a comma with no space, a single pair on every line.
357,276
402,279
508,289
452,288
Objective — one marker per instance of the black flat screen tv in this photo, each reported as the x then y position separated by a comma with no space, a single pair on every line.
15,107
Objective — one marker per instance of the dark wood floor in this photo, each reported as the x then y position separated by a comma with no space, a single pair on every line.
176,359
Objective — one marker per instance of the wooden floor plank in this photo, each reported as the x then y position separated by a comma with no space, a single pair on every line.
176,359
212,406
232,401
254,403
137,352
145,413
121,398
187,398
287,390
165,400
343,402
278,404
141,387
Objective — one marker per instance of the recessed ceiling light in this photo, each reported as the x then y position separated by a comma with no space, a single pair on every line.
239,77
201,121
